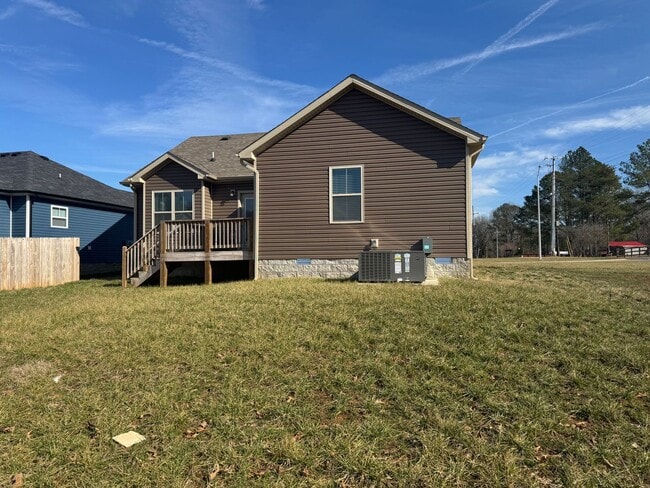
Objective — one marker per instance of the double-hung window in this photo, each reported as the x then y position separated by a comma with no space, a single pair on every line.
172,205
346,194
59,217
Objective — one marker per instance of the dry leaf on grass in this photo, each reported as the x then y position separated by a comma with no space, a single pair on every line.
192,433
18,480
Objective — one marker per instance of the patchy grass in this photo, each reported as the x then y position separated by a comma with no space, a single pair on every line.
536,374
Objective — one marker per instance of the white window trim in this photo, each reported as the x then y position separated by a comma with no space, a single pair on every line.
173,210
67,216
331,196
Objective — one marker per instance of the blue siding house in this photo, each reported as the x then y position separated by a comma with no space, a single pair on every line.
42,198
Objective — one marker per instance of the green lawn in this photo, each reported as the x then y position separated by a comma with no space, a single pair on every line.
536,374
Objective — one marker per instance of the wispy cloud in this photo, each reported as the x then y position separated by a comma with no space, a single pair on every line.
8,12
485,188
36,60
636,117
256,4
524,156
495,48
237,71
58,12
573,105
409,73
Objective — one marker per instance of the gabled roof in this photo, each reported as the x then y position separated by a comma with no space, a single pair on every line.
28,172
212,157
474,139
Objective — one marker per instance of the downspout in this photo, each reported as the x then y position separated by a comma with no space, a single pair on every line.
135,213
469,157
11,215
144,208
256,216
28,215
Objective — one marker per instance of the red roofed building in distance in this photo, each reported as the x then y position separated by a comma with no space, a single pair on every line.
627,248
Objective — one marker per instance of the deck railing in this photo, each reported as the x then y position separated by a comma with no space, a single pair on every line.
186,236
141,254
231,234
224,234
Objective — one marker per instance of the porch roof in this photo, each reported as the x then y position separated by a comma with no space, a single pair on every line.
213,157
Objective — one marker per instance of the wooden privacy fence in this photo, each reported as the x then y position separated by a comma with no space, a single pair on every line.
41,261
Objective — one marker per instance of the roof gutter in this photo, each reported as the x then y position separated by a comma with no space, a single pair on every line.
256,216
475,148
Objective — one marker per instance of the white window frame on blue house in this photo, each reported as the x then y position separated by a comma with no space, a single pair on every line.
345,194
55,209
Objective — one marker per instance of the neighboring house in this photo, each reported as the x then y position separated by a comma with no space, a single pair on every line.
42,198
357,166
627,248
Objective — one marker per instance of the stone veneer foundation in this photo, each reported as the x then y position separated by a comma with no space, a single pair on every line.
347,268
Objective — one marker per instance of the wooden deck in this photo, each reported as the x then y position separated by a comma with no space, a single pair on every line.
187,241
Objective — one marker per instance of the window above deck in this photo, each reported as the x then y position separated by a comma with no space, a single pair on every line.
172,205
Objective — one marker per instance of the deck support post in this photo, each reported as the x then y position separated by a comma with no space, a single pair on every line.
207,245
124,266
163,251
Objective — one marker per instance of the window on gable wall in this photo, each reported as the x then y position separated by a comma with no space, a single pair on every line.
346,194
58,217
172,205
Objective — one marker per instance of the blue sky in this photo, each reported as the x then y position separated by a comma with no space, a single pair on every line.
105,87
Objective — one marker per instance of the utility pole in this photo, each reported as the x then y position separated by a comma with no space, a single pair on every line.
553,239
539,218
497,229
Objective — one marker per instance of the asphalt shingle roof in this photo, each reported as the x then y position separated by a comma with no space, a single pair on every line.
29,172
198,151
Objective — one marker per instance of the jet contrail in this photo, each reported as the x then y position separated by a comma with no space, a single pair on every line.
567,107
496,46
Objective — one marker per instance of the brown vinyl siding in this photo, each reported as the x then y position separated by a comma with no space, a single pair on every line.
414,184
223,205
172,176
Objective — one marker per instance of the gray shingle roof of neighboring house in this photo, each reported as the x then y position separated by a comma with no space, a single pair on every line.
199,151
28,172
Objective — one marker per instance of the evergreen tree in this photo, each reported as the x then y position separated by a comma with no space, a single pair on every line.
637,177
589,192
526,218
637,169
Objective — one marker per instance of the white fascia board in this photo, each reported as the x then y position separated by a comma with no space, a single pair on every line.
139,176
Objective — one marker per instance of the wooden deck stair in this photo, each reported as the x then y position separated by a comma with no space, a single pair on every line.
186,241
144,274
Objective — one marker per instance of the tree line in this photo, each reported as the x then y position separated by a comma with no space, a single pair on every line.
595,204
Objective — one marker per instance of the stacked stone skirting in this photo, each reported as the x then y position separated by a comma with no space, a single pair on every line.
317,268
458,268
347,268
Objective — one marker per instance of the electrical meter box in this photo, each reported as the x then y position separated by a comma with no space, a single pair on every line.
427,245
386,266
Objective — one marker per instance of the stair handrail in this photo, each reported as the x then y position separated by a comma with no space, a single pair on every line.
141,254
